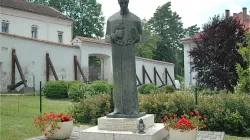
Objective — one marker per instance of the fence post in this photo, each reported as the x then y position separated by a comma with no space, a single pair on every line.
196,96
41,97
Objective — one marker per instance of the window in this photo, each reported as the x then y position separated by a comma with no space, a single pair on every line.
60,36
34,31
5,26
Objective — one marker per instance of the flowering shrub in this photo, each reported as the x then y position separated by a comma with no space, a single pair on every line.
48,122
185,122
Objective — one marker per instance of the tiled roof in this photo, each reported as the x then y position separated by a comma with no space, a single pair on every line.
23,5
239,16
91,40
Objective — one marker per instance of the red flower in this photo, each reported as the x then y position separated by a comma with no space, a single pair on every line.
175,115
182,116
205,126
45,134
166,117
184,111
205,119
58,127
197,112
161,121
191,113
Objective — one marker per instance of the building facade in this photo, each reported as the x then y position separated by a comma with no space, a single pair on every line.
27,19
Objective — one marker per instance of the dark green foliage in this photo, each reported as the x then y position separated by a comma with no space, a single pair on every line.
218,45
100,87
147,88
91,108
56,89
167,89
78,91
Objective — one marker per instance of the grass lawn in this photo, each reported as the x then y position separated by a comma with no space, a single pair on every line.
235,138
18,112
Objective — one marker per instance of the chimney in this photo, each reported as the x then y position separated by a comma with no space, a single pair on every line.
227,13
244,14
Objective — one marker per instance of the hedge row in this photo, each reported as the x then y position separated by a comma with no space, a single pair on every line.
225,112
74,90
151,88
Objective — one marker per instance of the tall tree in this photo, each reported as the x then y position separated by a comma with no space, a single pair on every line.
167,24
87,14
191,30
244,74
216,53
147,45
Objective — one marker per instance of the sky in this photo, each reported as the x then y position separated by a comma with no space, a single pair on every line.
191,11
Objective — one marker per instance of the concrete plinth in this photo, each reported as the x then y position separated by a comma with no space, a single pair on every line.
155,132
124,124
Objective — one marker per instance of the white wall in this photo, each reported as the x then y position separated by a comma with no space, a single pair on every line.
149,66
103,50
31,55
21,22
188,75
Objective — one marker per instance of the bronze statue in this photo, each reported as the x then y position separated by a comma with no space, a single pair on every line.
123,32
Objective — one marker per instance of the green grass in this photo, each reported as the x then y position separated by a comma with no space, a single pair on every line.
18,112
227,137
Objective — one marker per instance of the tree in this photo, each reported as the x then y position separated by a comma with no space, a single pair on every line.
215,53
167,24
147,45
244,74
87,14
191,30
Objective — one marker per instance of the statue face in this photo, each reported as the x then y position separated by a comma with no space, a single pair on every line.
123,4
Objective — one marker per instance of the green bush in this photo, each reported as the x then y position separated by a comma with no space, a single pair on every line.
209,91
91,108
225,112
167,89
78,91
56,89
101,87
147,88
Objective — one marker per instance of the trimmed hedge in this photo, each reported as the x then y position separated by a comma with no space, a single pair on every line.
147,88
78,91
101,87
167,89
56,89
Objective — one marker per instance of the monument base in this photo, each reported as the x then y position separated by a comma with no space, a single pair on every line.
156,132
113,115
124,124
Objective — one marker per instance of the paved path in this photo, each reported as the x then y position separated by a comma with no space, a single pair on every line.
202,135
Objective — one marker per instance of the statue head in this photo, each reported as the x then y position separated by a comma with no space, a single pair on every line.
123,5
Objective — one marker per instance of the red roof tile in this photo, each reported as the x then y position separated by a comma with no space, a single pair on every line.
91,40
39,40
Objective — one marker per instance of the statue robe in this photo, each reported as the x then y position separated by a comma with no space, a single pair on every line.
123,59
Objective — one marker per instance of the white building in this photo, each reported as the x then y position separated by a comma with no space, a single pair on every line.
34,32
188,43
35,21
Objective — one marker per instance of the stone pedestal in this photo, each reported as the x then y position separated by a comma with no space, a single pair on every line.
124,129
124,124
155,132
